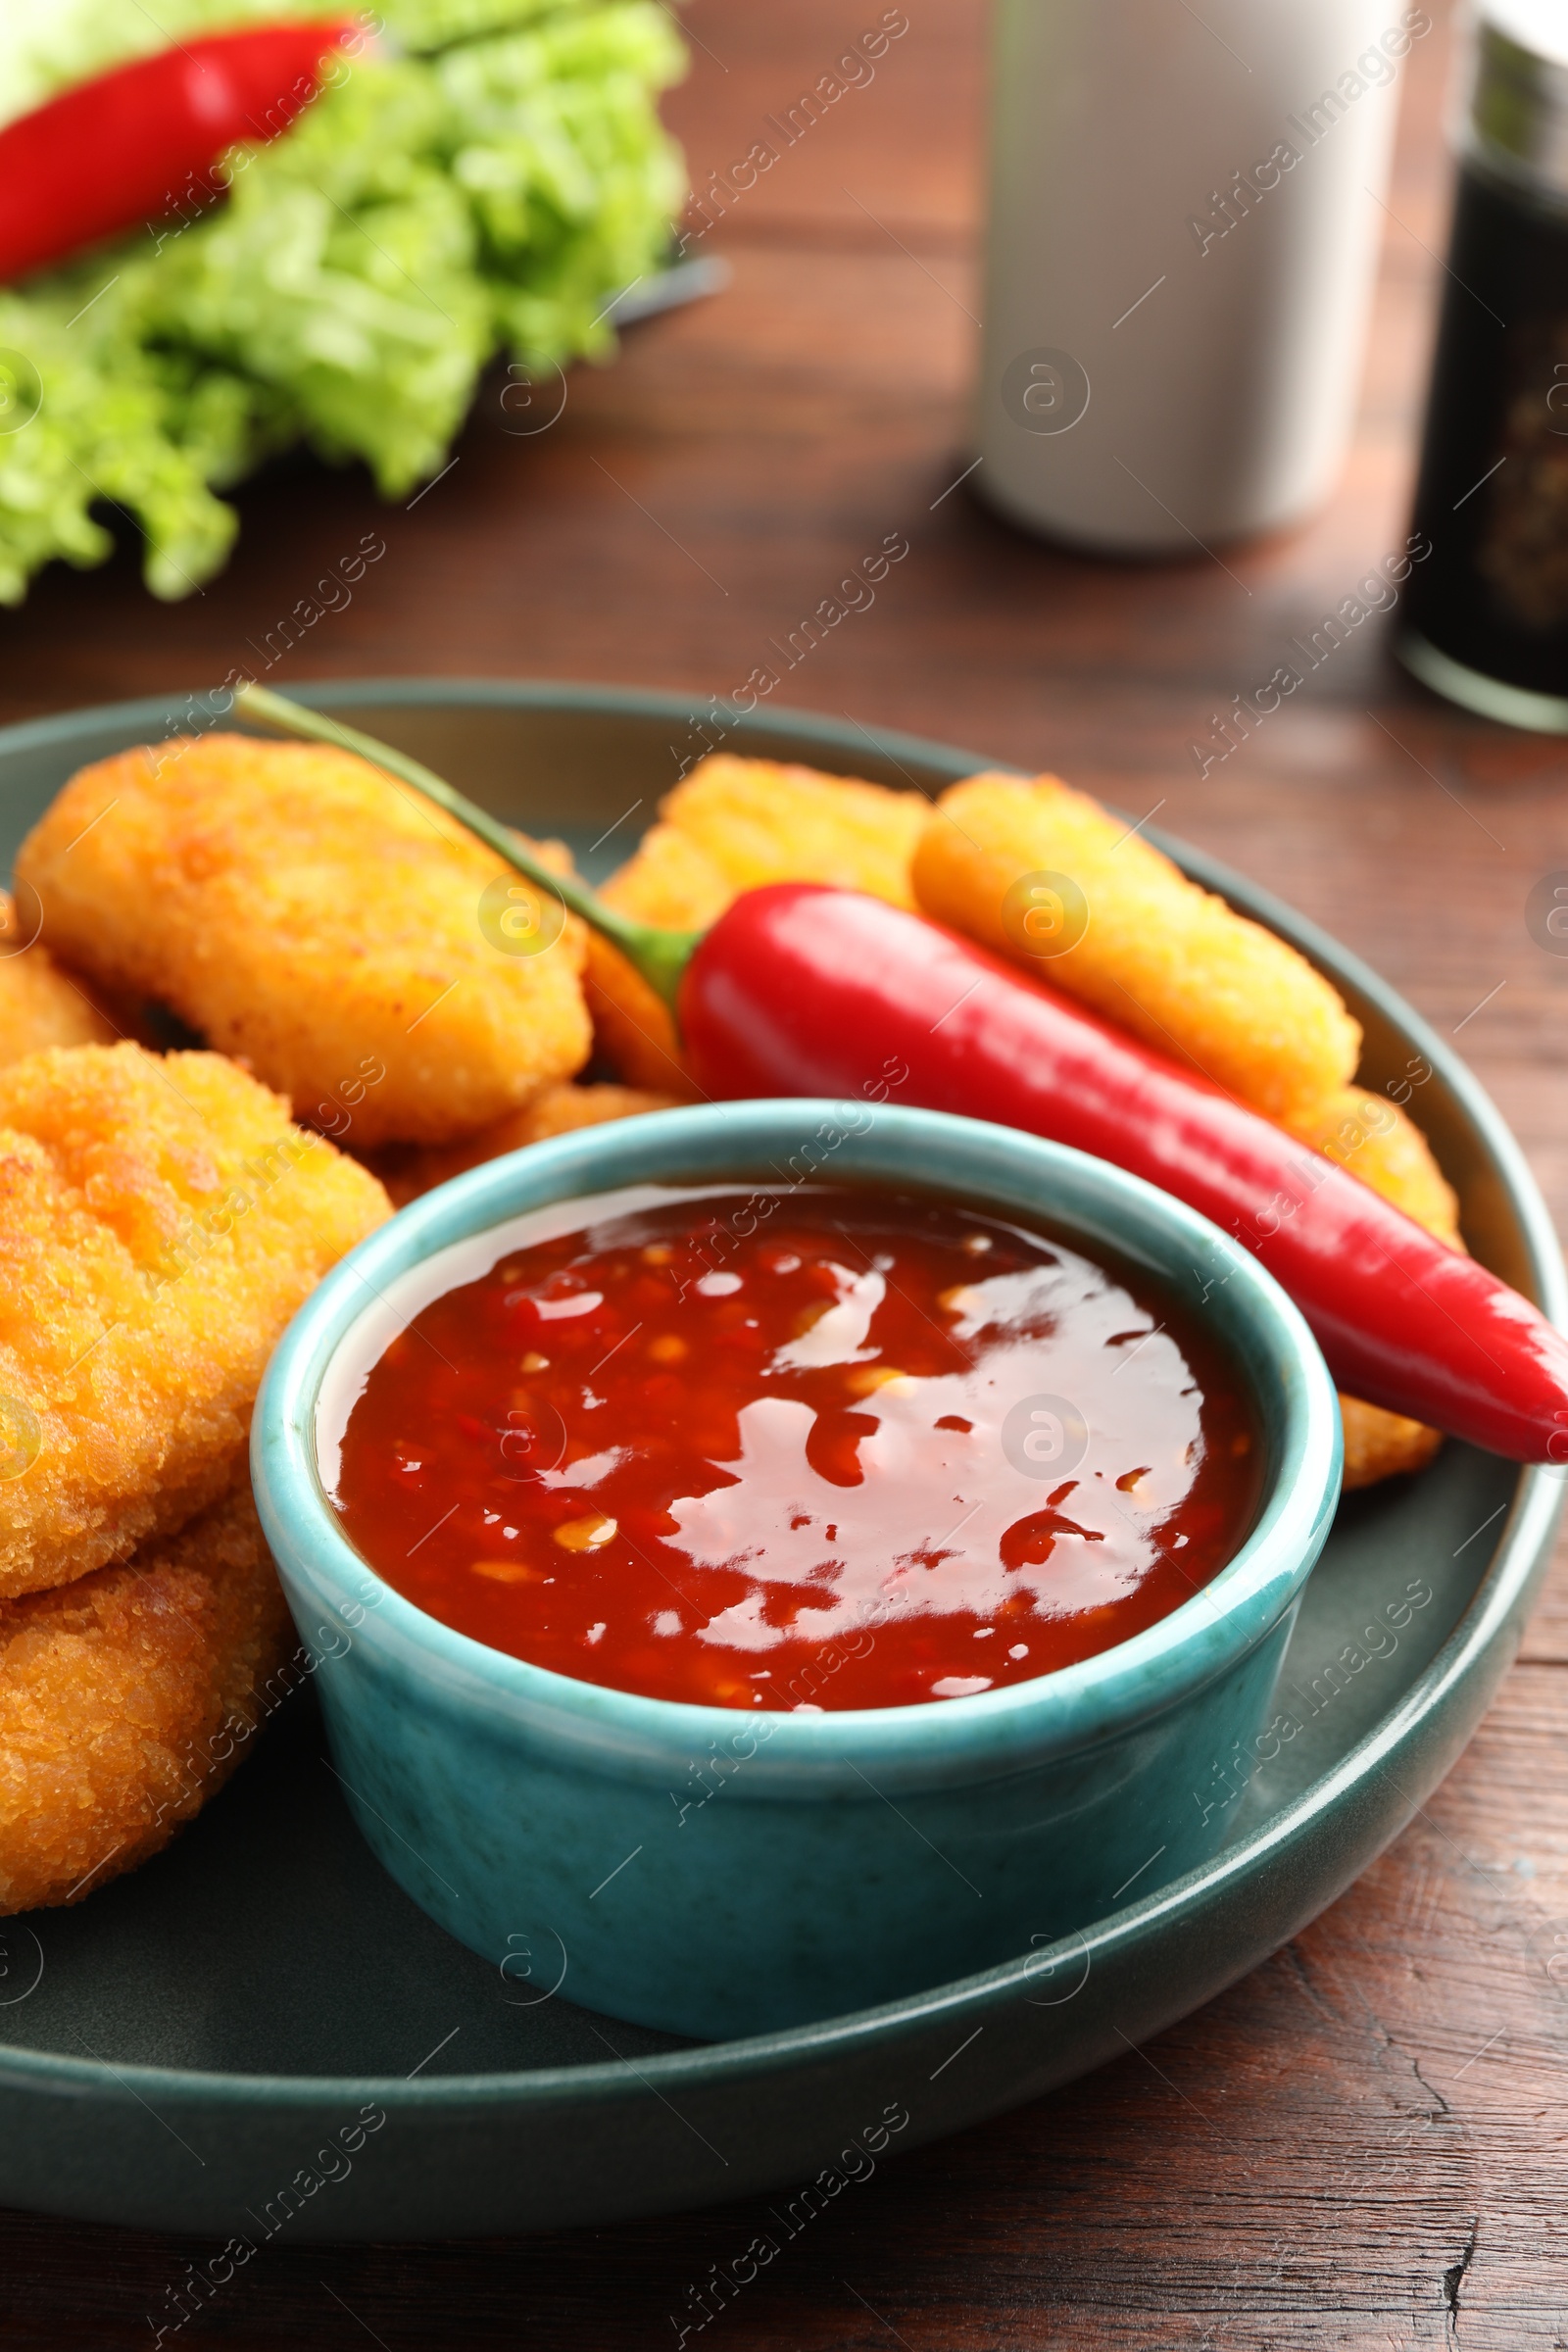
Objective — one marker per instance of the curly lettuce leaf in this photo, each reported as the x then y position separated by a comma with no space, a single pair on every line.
342,273
110,426
570,179
495,190
427,25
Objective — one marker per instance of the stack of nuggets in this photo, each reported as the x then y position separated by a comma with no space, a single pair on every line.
39,1003
128,1697
161,1219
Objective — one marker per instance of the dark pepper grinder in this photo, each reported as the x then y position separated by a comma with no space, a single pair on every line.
1487,612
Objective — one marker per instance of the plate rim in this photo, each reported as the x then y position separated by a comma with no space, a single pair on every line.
1521,1552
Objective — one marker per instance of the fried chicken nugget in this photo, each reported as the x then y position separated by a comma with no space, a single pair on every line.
408,1171
1156,953
731,825
1382,1444
672,883
39,1003
128,1697
160,1222
303,911
1381,1144
760,821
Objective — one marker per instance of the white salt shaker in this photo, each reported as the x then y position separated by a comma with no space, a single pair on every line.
1186,210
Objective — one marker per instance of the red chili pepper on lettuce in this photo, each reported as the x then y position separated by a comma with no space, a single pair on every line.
130,146
486,181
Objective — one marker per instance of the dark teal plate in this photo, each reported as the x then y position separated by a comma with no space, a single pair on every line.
259,2033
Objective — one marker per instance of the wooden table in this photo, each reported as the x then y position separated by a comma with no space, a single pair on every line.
1362,2144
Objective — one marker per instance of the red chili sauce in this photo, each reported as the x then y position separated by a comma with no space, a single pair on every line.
806,1449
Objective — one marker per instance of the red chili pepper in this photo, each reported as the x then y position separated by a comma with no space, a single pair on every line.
803,990
127,146
798,989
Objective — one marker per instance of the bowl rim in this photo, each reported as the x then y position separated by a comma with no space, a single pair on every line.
1055,1714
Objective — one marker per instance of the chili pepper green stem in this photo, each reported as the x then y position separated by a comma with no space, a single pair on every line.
659,957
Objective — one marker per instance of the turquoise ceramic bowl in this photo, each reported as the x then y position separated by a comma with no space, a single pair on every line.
843,1859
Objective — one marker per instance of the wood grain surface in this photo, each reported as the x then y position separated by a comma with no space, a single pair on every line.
1363,2144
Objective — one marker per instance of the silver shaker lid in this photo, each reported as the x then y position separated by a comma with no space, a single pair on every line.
1517,126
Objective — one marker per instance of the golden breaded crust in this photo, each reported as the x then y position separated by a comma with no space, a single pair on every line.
1159,956
160,1222
128,1697
1382,1444
672,882
406,1171
731,825
564,1110
41,1004
634,1026
306,913
761,821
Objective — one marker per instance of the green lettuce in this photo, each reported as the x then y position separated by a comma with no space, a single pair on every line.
488,183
